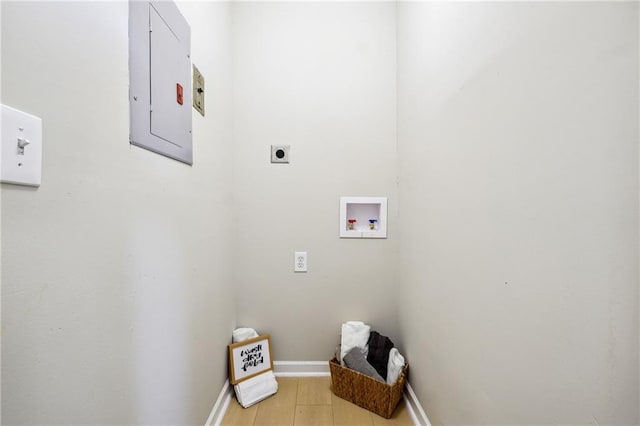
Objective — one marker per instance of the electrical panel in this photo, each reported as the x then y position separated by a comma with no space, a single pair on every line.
160,95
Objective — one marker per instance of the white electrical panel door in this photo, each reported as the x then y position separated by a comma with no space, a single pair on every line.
160,94
170,75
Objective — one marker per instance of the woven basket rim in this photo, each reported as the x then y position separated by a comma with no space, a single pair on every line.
401,376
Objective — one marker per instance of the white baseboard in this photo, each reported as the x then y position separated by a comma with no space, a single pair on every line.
309,369
221,405
414,407
301,368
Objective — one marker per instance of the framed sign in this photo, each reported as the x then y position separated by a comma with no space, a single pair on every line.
249,358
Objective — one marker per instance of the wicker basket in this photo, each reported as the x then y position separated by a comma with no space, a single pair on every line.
366,391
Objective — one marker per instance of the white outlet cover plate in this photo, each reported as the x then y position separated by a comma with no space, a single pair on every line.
300,261
17,168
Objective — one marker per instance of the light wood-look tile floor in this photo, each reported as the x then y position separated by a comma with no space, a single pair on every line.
308,401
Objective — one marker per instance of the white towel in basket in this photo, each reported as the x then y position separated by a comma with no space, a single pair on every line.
354,334
395,365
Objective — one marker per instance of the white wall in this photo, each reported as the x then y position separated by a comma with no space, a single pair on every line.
320,77
518,227
518,154
117,299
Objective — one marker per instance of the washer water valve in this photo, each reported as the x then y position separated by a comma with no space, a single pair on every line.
351,223
372,224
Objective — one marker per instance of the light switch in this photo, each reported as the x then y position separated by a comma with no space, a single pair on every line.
21,147
198,91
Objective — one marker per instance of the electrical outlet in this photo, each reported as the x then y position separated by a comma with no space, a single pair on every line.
300,261
280,153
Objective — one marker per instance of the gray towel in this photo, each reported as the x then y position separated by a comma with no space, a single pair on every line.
356,360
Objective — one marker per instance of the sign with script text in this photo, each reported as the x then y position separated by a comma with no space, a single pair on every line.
249,358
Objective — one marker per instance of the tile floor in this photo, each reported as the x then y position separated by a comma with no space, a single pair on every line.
308,401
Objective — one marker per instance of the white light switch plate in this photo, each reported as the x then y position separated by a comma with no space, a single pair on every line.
21,165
